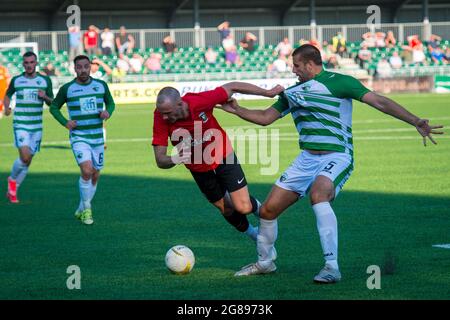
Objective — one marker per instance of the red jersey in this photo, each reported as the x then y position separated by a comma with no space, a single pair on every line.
208,142
91,38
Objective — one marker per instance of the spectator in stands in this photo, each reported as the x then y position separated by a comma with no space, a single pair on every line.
248,42
437,56
390,41
364,55
380,39
395,60
224,30
211,56
232,57
332,62
91,40
384,69
228,43
136,62
418,56
339,44
326,51
284,48
414,42
369,39
169,45
153,63
123,64
124,41
50,70
74,42
278,66
433,44
315,43
107,41
97,73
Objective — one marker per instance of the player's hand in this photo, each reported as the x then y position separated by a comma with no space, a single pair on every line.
426,130
7,111
230,106
41,94
104,115
183,154
275,91
71,124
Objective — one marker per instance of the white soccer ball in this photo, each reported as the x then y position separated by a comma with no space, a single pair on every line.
180,259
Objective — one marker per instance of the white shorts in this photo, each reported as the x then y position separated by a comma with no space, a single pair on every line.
84,152
28,139
301,174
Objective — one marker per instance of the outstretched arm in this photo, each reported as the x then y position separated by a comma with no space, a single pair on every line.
392,108
261,117
165,161
248,88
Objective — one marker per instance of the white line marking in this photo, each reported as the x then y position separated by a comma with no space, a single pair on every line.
443,246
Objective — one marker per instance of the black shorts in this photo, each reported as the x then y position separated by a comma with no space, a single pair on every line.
226,177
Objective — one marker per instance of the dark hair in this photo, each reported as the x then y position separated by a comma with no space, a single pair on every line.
81,57
29,54
308,52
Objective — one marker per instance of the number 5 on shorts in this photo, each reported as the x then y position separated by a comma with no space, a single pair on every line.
100,158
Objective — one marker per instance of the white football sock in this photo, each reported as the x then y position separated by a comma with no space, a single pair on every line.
267,235
93,191
85,191
21,176
17,168
328,232
252,232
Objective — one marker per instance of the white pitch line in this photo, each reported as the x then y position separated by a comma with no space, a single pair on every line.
443,246
286,137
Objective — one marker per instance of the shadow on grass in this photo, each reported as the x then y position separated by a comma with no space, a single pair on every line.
51,146
137,219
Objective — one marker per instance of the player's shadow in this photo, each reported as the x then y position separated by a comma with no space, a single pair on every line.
137,219
60,147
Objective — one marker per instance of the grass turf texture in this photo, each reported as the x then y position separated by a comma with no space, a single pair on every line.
393,209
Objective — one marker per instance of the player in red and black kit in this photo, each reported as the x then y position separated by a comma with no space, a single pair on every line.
205,149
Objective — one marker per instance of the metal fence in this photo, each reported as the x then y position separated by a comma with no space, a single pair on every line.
204,37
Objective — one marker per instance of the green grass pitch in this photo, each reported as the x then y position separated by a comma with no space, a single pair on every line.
393,209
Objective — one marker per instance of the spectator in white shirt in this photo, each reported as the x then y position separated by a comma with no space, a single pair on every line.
107,41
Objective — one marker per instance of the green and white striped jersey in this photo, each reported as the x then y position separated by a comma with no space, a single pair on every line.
29,107
322,110
84,102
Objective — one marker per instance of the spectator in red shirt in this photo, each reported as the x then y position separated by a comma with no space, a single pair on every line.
91,40
204,148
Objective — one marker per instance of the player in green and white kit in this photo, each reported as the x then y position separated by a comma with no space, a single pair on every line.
321,107
85,98
32,90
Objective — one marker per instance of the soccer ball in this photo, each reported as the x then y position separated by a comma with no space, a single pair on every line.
180,259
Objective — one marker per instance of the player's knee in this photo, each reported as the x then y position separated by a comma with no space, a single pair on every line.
87,173
244,207
27,160
318,196
267,212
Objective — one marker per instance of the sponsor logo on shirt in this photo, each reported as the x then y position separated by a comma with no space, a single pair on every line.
203,116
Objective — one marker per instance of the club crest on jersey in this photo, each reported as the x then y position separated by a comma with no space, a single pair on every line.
307,87
203,116
80,155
